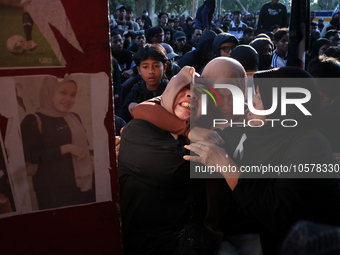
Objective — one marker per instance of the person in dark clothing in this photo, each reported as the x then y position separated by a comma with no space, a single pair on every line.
272,13
123,24
147,20
55,139
188,27
151,64
180,44
138,41
327,72
154,35
204,15
319,48
274,202
123,56
333,24
223,45
196,35
199,57
248,36
163,19
333,36
172,68
117,86
154,179
264,48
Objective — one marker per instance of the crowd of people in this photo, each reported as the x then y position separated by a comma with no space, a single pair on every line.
158,122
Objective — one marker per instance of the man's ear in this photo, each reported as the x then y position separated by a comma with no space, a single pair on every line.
192,72
138,69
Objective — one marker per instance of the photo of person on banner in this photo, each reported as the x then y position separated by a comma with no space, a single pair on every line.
56,147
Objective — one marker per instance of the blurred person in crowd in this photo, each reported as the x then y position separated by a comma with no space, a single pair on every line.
168,35
319,48
272,13
123,56
248,36
155,35
199,57
180,43
320,24
264,48
333,24
313,34
122,23
163,19
281,39
327,71
196,35
333,36
237,27
147,20
151,65
188,27
223,45
334,52
140,22
129,17
171,66
204,15
138,41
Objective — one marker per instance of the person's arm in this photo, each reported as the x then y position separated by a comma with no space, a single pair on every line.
154,113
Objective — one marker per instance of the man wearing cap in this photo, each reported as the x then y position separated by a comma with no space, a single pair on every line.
129,17
181,47
122,24
320,24
171,66
272,13
237,26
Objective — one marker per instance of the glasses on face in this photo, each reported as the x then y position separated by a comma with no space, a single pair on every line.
159,36
227,49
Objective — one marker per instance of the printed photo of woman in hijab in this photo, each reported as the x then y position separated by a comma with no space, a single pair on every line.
56,147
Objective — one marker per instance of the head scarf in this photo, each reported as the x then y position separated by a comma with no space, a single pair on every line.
176,84
82,168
